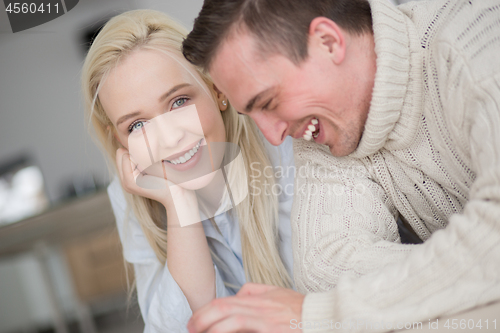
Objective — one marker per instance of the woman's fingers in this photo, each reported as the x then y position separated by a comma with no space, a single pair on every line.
135,182
119,161
126,169
135,166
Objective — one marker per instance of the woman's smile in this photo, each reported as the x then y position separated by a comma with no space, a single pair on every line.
186,159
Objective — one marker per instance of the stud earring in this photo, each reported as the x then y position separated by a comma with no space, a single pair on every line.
224,103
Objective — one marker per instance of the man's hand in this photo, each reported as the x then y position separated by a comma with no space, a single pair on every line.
255,308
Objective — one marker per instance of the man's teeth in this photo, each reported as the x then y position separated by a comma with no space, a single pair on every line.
186,157
311,130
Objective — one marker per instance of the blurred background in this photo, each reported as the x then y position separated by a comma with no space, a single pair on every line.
61,268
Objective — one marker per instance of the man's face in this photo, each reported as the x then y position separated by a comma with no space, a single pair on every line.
285,99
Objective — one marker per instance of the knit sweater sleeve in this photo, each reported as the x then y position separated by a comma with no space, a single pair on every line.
344,223
455,269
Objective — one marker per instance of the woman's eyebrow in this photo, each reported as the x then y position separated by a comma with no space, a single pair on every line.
173,90
127,116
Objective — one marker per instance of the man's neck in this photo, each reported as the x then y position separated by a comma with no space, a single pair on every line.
362,67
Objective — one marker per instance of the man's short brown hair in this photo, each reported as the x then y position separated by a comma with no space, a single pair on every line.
280,26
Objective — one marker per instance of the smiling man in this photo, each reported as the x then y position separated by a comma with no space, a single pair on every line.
401,107
263,78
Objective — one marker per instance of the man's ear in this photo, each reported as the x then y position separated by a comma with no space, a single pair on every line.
329,37
222,101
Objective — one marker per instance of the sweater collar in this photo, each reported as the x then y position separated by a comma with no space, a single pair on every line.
395,109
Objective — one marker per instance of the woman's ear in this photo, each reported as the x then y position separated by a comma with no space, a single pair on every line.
222,101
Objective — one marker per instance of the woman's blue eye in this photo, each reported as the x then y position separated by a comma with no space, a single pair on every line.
136,126
180,102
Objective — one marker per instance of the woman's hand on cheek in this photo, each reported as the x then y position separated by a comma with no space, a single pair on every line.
185,206
151,187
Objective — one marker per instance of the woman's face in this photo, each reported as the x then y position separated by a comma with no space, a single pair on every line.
155,102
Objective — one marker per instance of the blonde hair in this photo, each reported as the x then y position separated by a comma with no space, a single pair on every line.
257,214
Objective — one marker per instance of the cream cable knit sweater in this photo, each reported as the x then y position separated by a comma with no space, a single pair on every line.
430,151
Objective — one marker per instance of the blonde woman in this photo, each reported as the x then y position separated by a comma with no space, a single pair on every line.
133,62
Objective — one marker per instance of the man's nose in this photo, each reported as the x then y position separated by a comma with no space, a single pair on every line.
271,125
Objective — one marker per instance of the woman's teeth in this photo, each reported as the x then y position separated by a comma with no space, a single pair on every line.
186,157
312,130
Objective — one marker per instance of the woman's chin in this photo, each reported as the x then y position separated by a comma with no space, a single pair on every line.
199,182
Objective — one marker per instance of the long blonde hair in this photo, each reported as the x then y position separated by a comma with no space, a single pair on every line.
257,214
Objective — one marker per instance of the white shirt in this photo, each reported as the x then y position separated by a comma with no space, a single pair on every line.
163,306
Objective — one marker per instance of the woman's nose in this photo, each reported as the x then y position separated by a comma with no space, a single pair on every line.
163,136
